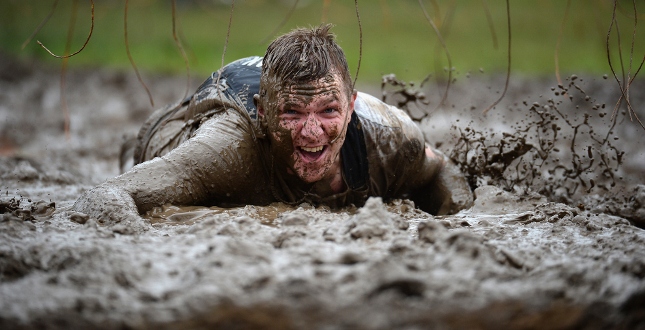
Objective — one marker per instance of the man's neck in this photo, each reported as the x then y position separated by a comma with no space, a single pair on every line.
333,184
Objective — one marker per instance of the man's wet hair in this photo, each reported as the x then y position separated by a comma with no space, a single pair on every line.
304,55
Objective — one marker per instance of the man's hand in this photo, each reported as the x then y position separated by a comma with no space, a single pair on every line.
112,207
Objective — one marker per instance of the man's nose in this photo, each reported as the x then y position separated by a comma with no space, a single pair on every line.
311,128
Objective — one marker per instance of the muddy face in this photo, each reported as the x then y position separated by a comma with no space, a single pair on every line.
307,124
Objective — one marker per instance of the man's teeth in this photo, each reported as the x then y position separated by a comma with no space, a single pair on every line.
314,149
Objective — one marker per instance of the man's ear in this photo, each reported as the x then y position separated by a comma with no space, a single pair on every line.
351,104
258,105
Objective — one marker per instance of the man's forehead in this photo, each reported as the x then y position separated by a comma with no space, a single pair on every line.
300,99
329,84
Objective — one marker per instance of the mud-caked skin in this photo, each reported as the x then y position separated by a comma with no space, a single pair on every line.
313,141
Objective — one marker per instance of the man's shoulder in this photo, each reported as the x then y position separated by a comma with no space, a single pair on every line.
234,84
389,132
372,110
394,145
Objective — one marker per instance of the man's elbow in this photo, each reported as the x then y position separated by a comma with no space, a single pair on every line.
446,191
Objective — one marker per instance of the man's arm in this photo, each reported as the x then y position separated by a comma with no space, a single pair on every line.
167,179
442,187
211,167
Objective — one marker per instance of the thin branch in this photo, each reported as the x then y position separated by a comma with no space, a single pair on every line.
622,87
219,73
127,50
228,34
86,40
631,49
611,66
443,45
620,50
632,113
437,11
40,26
360,29
360,47
491,26
625,88
508,69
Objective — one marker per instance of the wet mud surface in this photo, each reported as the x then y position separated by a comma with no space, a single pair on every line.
515,260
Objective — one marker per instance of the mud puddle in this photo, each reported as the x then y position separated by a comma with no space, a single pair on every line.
512,261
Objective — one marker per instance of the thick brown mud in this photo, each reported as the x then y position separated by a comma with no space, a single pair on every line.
515,260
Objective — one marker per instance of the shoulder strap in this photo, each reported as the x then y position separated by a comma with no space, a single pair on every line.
354,155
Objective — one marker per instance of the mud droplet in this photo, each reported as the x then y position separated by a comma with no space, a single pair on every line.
80,218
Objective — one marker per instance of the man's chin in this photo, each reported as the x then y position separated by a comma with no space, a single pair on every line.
311,171
309,177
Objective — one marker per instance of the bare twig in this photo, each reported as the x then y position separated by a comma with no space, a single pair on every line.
127,51
627,81
491,27
40,26
86,40
508,69
443,45
228,34
360,30
360,45
219,73
632,113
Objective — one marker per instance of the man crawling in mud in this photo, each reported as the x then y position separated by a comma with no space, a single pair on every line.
284,128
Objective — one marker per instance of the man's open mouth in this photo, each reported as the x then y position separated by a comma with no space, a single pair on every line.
313,153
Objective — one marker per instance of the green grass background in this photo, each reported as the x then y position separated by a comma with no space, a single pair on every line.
397,38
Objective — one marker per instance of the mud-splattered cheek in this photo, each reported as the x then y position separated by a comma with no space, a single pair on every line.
333,131
288,125
287,130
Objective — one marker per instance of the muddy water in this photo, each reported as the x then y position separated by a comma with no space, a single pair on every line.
188,215
508,262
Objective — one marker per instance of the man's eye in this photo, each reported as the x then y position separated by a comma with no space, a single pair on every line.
290,112
330,110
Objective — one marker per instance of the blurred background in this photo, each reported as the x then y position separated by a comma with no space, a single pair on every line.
397,37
